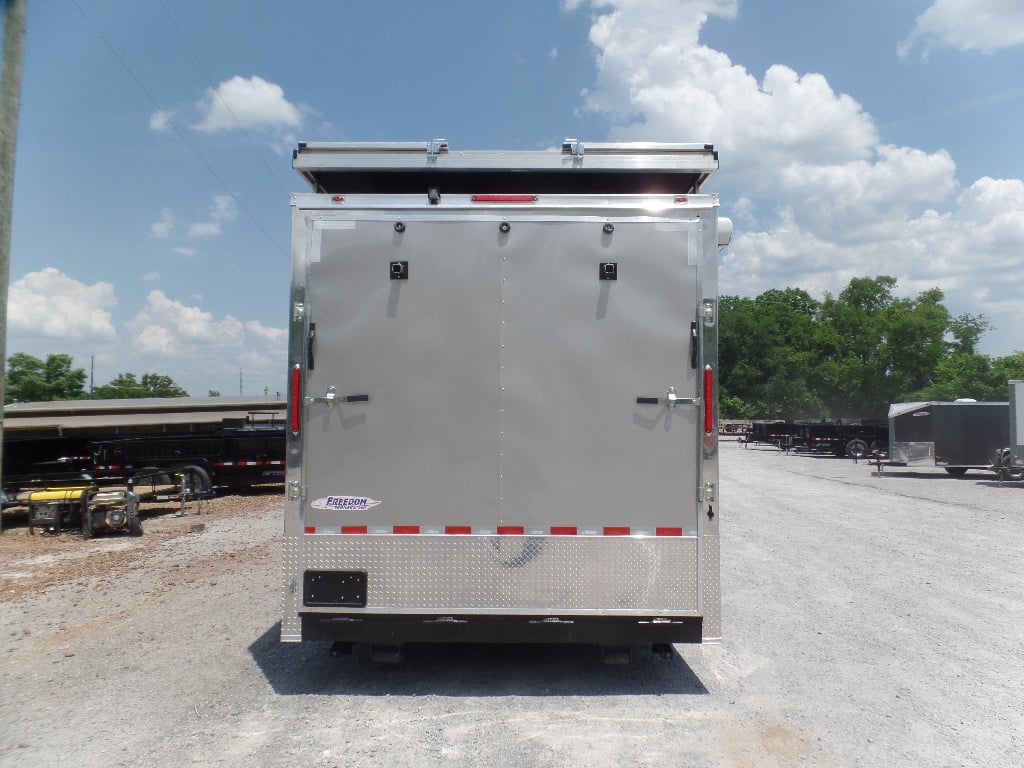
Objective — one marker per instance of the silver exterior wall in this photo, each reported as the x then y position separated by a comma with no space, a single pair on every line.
502,379
1017,421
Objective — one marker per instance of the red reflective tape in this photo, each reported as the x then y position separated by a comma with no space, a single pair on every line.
668,531
353,529
310,529
510,530
564,530
406,529
458,530
616,530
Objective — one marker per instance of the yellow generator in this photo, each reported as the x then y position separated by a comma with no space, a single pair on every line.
86,506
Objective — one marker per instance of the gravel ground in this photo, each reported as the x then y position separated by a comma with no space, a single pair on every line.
869,621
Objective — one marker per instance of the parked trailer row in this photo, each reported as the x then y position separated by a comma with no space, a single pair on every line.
856,440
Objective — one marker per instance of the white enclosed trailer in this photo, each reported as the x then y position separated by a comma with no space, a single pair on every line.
502,396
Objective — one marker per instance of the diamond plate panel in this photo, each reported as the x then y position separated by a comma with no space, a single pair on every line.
292,552
711,583
479,573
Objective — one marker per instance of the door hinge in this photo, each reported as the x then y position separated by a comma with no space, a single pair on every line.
573,147
295,491
706,492
436,147
708,311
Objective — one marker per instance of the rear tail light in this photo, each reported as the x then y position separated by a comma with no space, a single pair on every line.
709,400
503,198
296,398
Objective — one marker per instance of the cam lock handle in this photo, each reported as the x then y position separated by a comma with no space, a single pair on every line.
671,399
331,397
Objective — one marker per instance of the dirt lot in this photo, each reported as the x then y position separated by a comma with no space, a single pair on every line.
869,621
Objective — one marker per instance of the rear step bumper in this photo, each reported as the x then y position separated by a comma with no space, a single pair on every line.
476,628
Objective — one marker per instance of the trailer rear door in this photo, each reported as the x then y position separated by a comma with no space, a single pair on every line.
499,373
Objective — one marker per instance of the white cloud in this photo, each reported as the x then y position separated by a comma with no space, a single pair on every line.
51,304
980,25
241,103
183,251
170,336
823,200
162,227
151,277
160,121
169,328
204,229
222,209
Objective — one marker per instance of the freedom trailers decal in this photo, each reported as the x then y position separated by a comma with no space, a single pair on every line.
345,503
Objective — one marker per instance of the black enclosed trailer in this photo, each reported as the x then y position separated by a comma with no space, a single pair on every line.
955,436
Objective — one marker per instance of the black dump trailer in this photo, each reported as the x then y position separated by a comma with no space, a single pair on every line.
955,436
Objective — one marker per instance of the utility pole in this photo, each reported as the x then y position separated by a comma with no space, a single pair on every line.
10,100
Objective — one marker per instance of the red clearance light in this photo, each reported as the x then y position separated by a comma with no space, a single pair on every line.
296,397
504,198
709,402
681,200
337,199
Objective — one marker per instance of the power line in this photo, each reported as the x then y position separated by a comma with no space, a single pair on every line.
180,134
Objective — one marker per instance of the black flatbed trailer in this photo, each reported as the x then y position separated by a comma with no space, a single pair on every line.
230,442
855,440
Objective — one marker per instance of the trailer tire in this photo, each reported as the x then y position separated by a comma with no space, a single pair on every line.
956,471
200,478
1005,470
134,526
857,448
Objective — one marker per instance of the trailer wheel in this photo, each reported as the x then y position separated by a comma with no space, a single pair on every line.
856,448
200,479
956,471
134,526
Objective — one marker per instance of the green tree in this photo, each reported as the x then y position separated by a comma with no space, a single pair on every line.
885,346
770,349
1004,369
126,385
30,379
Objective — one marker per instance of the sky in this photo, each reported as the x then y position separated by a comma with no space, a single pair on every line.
153,170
